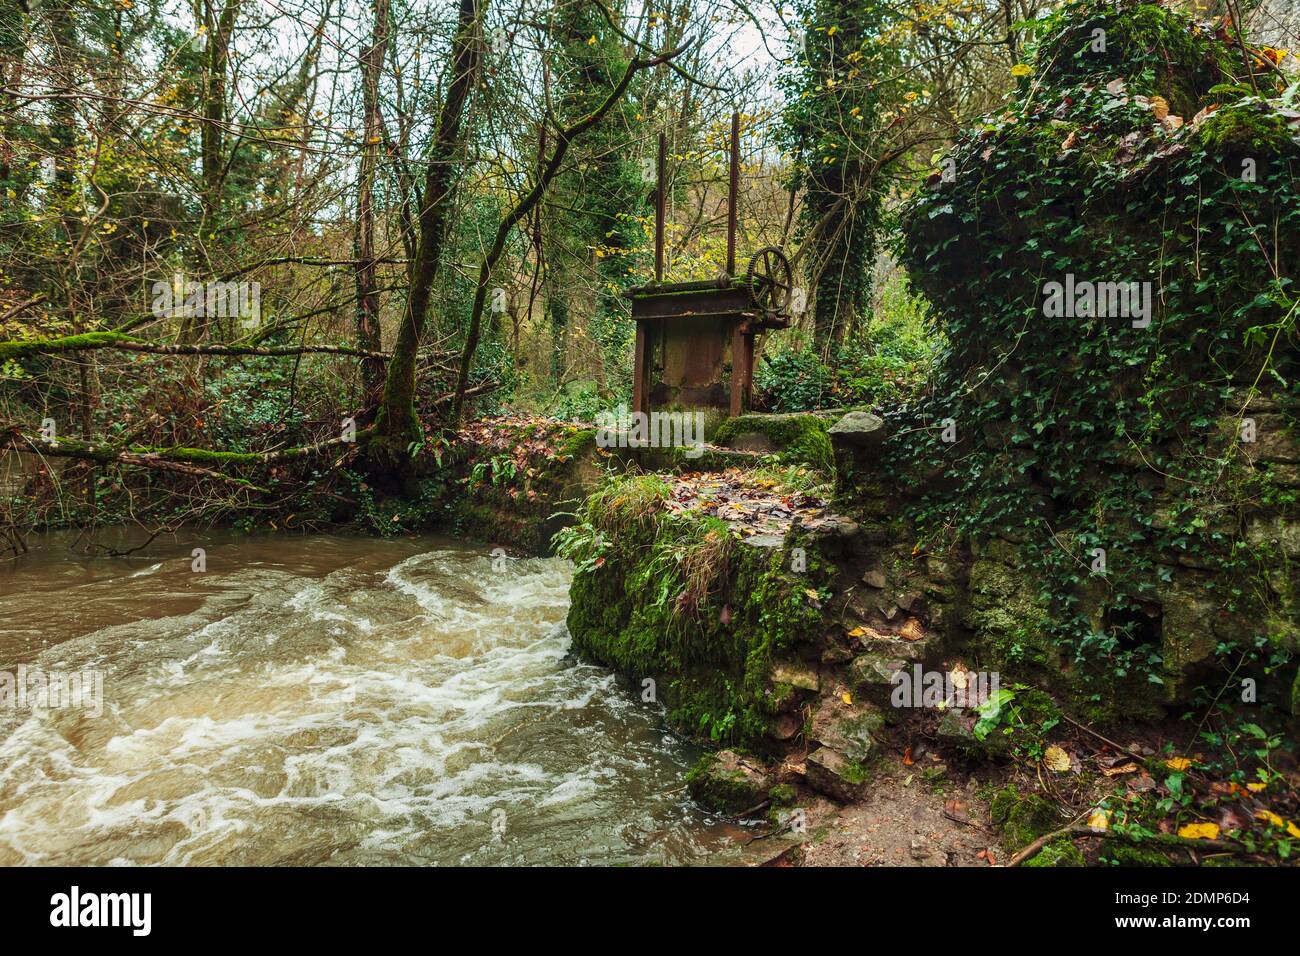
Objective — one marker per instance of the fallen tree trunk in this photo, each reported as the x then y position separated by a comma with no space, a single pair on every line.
179,459
26,348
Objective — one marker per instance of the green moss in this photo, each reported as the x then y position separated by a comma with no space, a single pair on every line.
854,773
578,442
675,598
782,794
801,439
1022,818
720,788
1124,854
1057,853
1245,130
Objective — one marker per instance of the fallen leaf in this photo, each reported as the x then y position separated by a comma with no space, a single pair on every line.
1178,763
1056,759
846,697
1256,787
1141,783
1270,817
956,810
1117,771
1199,831
907,756
1099,820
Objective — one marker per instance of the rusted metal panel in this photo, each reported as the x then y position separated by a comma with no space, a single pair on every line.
640,377
733,192
661,192
683,304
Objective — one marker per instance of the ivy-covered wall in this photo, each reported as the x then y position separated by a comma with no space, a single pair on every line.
1109,449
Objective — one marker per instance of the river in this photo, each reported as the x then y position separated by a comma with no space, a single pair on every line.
325,700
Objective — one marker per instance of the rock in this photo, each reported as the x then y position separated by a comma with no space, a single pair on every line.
833,652
845,528
1273,441
873,675
1277,533
764,541
920,849
785,726
911,601
804,678
847,728
828,772
727,782
859,429
874,579
938,570
753,441
955,728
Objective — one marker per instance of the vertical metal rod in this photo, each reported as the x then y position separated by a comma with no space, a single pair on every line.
660,207
733,189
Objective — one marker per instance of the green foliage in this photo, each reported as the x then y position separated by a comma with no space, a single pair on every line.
1022,818
888,363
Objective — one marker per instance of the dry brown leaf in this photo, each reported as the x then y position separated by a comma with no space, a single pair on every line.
1117,771
1056,759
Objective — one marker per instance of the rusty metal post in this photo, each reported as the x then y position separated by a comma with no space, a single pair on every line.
661,207
732,189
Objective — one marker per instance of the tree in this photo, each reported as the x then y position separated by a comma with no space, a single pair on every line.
838,93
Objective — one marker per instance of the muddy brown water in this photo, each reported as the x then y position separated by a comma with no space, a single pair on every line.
326,700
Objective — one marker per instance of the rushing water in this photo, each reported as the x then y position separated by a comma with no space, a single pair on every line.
325,700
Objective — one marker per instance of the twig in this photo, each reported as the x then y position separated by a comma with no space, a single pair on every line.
1088,730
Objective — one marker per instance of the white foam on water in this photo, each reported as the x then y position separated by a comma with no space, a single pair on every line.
349,718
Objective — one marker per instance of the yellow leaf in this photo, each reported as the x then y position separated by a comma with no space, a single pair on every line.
1256,787
1021,69
592,40
1056,759
1271,817
1178,763
1099,820
846,697
832,31
1199,831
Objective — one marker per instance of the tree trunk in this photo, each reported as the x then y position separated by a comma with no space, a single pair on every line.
397,424
368,337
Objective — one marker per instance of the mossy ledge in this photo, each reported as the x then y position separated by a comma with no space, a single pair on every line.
693,614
